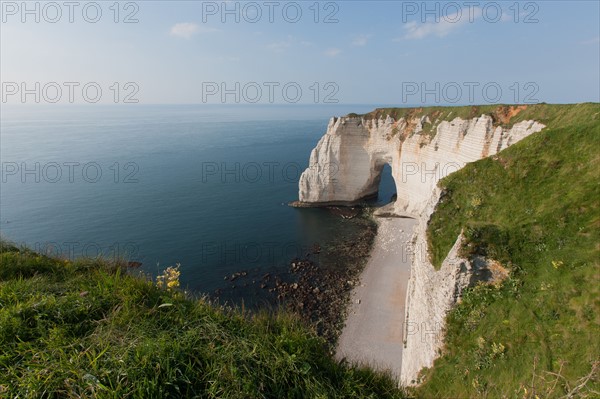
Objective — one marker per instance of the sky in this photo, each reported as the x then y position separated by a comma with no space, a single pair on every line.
304,52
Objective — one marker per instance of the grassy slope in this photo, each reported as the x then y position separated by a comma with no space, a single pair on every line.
84,328
434,112
535,208
502,114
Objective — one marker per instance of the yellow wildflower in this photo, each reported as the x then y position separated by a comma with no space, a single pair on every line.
557,263
170,278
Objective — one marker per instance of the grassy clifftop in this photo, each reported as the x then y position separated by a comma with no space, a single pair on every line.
87,329
502,114
533,207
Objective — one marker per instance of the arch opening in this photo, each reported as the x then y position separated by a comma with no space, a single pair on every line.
386,185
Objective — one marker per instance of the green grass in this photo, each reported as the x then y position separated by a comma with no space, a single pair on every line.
446,113
501,114
541,112
88,329
535,208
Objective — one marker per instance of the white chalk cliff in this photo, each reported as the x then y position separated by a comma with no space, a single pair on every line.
346,166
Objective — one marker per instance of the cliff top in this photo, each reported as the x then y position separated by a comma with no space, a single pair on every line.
504,115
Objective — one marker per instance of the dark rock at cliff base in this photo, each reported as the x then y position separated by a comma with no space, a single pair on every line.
320,295
236,275
316,249
316,288
345,212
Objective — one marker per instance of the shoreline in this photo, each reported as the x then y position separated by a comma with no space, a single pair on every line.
317,287
321,292
373,330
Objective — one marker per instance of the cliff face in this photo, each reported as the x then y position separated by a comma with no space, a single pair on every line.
430,295
346,166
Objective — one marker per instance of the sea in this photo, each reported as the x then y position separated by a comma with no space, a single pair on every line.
205,187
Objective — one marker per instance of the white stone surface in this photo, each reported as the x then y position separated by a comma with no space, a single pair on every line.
429,297
346,164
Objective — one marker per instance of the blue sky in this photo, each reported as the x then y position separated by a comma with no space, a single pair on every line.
377,52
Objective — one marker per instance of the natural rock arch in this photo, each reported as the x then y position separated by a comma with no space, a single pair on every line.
345,166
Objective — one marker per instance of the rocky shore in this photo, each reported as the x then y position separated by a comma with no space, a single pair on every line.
318,287
320,294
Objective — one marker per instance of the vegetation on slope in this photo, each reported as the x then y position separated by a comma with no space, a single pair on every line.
502,115
535,208
88,329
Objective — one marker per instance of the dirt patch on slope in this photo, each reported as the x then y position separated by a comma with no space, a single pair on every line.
505,113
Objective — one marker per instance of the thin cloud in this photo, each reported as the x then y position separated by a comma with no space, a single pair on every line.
184,29
279,46
442,28
282,45
594,40
188,29
291,41
361,40
332,52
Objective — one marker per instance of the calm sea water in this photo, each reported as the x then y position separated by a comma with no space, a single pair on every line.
203,186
